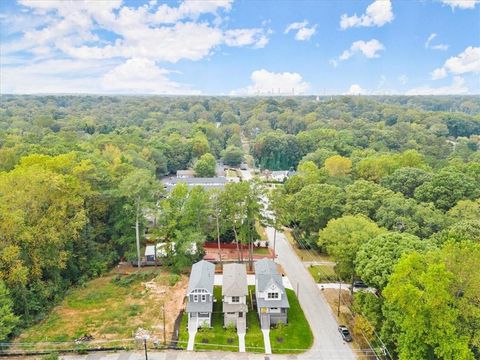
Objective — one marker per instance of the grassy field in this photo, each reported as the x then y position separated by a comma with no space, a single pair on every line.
261,231
323,273
293,337
296,336
261,251
231,173
113,307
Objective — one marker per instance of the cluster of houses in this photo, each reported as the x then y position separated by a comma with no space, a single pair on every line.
188,177
270,295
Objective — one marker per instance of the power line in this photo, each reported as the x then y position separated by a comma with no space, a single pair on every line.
313,256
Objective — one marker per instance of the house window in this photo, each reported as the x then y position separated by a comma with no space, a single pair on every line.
203,315
273,308
235,299
204,298
272,295
195,298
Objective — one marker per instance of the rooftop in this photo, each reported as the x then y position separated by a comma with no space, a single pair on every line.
234,280
201,276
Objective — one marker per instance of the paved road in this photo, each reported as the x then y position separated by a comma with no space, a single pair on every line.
246,175
181,355
328,344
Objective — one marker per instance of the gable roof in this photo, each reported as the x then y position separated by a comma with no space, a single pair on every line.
266,274
234,280
201,276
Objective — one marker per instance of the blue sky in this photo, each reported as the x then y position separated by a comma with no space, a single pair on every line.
224,47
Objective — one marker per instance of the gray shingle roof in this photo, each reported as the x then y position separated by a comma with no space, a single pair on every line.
199,306
234,307
202,276
234,280
208,183
282,303
266,274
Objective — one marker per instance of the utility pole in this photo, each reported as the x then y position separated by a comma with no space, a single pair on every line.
145,346
339,291
274,242
164,334
137,233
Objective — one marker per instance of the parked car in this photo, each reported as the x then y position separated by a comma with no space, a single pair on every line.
343,330
359,284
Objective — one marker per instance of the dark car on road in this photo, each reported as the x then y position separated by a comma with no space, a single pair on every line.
359,284
343,330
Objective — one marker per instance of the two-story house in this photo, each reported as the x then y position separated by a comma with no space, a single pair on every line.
234,294
272,301
200,295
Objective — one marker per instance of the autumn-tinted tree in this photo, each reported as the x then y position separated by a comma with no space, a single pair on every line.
338,166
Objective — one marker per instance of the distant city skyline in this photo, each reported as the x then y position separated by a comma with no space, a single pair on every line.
226,47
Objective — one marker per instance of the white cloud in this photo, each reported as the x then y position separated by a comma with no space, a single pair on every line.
244,37
369,49
141,76
89,76
303,32
52,76
265,82
457,87
467,61
139,38
428,43
355,89
461,4
378,14
160,33
438,73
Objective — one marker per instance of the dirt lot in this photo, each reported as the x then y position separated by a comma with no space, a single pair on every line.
115,306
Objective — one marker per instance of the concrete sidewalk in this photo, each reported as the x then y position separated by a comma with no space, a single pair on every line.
266,341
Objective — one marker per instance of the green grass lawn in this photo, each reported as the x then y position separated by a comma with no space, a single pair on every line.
261,251
294,336
216,337
323,273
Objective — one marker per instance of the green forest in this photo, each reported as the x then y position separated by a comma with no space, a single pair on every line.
388,186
